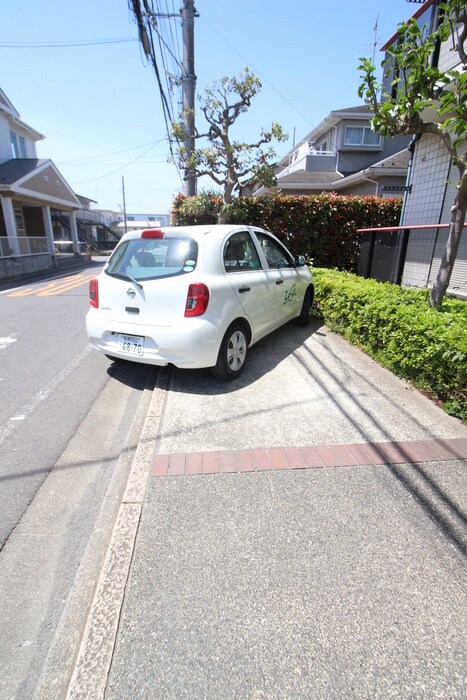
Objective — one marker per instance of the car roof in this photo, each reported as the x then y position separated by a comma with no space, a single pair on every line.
198,232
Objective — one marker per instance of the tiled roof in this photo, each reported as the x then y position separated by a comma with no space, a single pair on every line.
310,177
16,168
397,160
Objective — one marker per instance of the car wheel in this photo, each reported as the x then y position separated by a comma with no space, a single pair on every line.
232,353
304,316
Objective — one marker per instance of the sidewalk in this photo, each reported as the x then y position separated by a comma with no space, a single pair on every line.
66,264
303,536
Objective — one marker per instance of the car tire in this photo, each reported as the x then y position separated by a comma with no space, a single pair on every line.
232,352
304,317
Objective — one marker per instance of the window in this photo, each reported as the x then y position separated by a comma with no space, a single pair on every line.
18,145
143,259
19,220
14,144
22,146
240,253
361,136
371,138
275,255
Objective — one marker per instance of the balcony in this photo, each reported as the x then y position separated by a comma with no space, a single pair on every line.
312,161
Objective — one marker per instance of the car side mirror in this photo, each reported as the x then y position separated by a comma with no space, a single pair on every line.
299,261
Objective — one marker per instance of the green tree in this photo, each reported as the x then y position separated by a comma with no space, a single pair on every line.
226,161
427,100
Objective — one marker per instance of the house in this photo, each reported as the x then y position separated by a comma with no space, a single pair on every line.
120,223
412,255
95,230
342,154
30,190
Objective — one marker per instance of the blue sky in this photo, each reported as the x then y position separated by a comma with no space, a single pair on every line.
98,104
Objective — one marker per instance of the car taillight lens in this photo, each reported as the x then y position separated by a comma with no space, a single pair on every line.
197,300
94,293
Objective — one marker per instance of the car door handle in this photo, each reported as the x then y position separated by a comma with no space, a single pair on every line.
243,289
279,281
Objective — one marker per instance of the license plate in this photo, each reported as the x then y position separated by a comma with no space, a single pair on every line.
131,344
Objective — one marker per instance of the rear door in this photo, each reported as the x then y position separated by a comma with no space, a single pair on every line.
253,286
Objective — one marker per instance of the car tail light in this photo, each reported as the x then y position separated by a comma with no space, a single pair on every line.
94,293
197,300
152,233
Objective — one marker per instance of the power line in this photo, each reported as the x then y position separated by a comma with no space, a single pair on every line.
146,15
62,44
248,63
145,22
111,153
100,177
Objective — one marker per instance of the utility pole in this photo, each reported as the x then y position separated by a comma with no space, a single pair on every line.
189,84
124,203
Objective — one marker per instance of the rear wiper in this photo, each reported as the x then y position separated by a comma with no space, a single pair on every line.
126,277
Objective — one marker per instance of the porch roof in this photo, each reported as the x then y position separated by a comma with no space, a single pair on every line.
38,181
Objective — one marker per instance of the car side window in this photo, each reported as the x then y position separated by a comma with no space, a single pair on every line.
240,253
276,256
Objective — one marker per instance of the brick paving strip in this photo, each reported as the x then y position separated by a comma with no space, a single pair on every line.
308,457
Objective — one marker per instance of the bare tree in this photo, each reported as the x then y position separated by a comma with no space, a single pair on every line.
226,161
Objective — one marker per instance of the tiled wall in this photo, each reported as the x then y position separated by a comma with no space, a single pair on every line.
430,169
447,58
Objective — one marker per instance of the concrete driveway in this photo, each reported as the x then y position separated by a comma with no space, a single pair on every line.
303,535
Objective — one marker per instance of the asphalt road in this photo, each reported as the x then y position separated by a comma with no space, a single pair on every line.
49,379
69,422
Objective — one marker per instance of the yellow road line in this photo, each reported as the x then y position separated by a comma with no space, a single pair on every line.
54,288
72,284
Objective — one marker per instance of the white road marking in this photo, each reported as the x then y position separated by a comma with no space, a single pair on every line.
26,411
5,342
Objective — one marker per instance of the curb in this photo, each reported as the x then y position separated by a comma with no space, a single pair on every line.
89,678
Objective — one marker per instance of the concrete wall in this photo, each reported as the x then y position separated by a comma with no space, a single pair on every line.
24,266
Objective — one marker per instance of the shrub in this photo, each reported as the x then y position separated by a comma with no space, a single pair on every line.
322,227
202,209
399,329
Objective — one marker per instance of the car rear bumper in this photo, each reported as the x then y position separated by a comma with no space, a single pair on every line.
192,344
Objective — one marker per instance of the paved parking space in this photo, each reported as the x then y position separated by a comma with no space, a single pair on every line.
304,535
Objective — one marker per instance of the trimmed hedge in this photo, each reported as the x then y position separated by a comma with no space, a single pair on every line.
321,227
398,328
190,211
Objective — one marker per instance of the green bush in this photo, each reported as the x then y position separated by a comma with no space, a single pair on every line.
202,209
322,227
398,328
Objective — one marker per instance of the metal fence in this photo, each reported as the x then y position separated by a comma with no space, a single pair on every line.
5,250
27,245
390,254
33,246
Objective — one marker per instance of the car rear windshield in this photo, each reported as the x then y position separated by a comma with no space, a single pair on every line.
144,259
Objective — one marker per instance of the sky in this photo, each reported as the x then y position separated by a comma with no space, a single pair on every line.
75,72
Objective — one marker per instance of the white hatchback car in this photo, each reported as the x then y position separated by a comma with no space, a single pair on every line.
196,296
